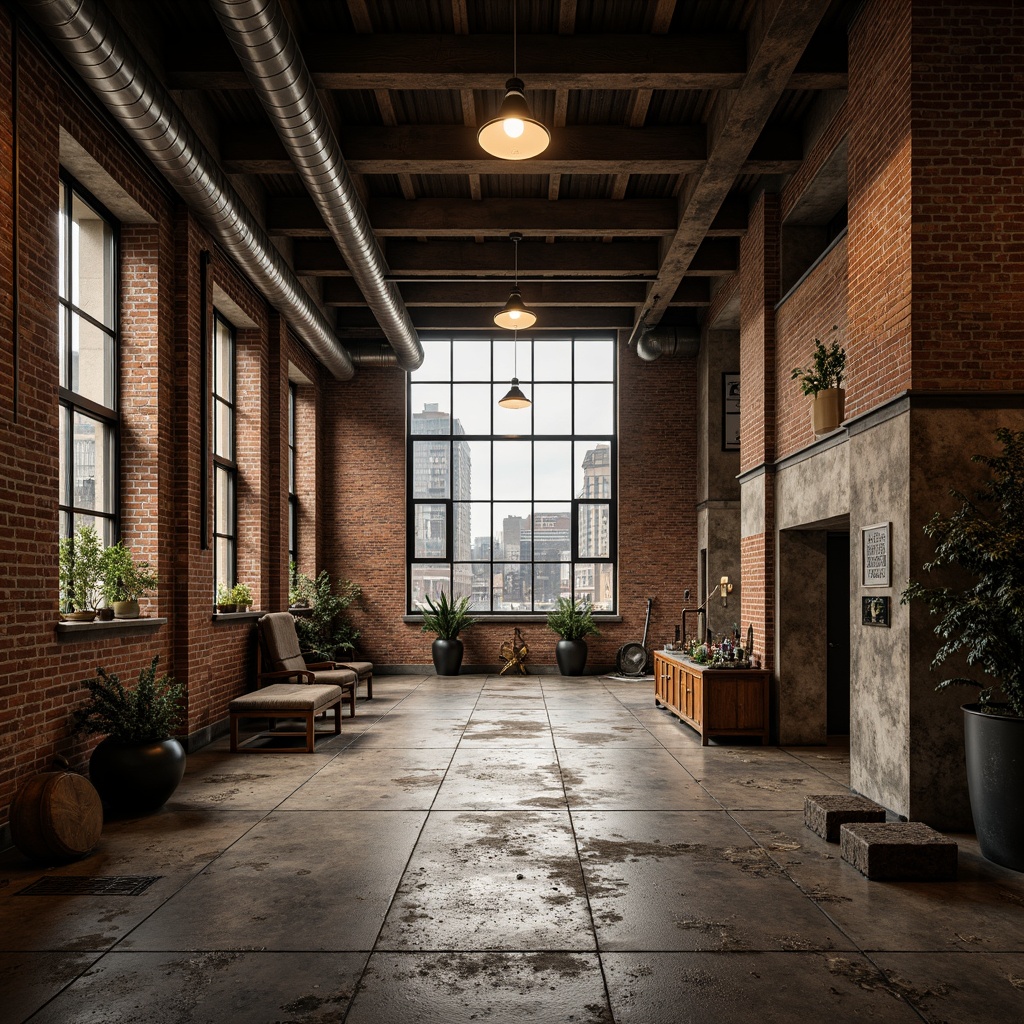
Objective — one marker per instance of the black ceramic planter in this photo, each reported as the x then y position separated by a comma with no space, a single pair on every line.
995,777
571,656
447,655
136,778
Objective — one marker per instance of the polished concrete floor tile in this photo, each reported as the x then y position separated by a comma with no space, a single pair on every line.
291,884
417,731
982,910
30,980
444,988
483,778
491,880
629,778
210,987
518,729
374,778
751,988
670,880
173,846
762,786
597,734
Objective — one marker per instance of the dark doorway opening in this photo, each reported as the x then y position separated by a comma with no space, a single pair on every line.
837,634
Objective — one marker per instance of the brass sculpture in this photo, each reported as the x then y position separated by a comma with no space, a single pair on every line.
514,653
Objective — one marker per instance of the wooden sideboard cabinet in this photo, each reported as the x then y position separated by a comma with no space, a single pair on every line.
714,701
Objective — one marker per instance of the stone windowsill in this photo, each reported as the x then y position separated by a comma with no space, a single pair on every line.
68,632
220,618
512,617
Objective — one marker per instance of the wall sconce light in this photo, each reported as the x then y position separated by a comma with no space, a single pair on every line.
724,590
514,315
515,399
515,134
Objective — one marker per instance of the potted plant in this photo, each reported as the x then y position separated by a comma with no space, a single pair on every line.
301,590
78,573
984,619
124,580
823,381
325,631
447,618
225,602
573,621
241,597
139,765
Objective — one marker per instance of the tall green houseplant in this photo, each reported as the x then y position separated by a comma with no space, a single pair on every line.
326,631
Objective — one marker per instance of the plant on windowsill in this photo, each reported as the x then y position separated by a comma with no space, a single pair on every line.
225,602
124,580
573,621
983,618
301,592
447,618
823,381
326,631
79,574
241,597
139,765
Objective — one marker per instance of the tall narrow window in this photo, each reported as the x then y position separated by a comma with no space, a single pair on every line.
225,469
513,508
88,394
293,497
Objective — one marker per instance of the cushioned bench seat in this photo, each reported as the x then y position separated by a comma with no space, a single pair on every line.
286,700
363,671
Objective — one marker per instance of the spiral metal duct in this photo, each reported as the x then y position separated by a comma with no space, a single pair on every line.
94,44
270,56
667,341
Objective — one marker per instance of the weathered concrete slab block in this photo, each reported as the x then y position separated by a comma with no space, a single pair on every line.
825,814
906,851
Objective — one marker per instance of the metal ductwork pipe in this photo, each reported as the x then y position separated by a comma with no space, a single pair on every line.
266,46
668,341
94,44
374,354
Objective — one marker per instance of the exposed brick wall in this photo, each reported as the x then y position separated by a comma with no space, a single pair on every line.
968,201
809,312
879,246
364,511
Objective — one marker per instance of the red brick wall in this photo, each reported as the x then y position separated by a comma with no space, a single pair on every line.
879,247
809,312
364,511
968,211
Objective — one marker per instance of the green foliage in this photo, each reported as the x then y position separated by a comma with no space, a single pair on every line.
300,588
446,618
573,620
985,539
325,631
240,595
826,369
79,570
124,579
224,594
147,714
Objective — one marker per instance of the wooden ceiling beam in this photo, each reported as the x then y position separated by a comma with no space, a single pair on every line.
343,291
453,149
464,318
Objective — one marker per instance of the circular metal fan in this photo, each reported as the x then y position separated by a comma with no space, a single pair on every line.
632,659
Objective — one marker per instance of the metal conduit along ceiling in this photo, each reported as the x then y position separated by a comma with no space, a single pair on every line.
667,119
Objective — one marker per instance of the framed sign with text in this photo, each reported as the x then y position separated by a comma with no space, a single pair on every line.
876,555
730,412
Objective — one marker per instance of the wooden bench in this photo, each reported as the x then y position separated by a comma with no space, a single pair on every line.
286,700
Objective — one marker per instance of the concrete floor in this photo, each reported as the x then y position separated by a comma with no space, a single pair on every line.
488,849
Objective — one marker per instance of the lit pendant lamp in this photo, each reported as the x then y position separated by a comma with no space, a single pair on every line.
515,399
515,134
514,316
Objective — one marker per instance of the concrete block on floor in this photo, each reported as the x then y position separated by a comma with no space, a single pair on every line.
825,814
903,851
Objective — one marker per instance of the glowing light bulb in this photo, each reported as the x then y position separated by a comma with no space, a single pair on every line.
514,127
514,314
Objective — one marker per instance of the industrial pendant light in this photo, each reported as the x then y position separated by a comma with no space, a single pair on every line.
515,134
514,315
515,399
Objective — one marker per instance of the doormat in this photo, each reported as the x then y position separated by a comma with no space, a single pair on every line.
83,885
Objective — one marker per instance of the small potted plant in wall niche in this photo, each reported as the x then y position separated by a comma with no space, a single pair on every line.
983,618
823,381
125,580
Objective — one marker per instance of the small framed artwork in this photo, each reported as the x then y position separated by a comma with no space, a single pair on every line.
874,611
730,412
876,555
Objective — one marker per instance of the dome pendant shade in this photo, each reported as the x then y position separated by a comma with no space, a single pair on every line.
514,316
515,399
515,134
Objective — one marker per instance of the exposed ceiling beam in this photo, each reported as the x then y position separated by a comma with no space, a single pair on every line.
464,318
342,291
782,31
453,149
320,258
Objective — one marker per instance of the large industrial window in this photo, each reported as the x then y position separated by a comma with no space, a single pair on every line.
513,508
88,394
225,468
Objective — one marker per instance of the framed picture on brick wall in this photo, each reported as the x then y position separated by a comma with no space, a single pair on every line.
730,412
876,555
